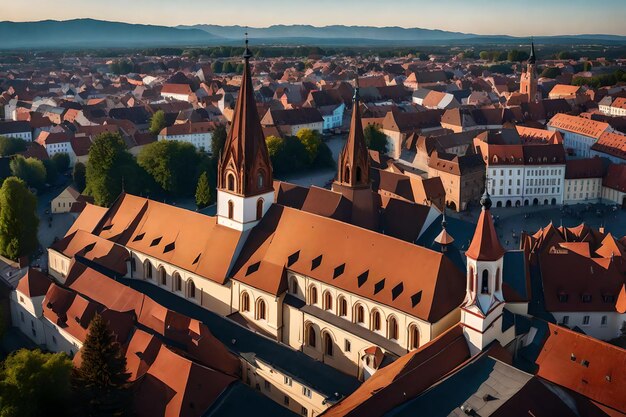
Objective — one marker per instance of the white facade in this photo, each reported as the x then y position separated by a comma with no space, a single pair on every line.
612,195
176,96
335,119
601,325
240,213
520,185
27,136
202,141
578,145
580,190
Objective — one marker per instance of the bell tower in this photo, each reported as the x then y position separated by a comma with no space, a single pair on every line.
481,311
245,189
528,82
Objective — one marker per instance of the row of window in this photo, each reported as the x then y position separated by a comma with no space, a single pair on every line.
586,321
177,282
587,298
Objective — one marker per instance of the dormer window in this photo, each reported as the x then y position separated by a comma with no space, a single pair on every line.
586,298
563,297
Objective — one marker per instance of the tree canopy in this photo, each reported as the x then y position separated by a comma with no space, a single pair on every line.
293,154
102,380
79,176
11,146
157,122
203,191
18,219
551,72
218,139
62,161
33,384
375,139
109,167
31,170
173,165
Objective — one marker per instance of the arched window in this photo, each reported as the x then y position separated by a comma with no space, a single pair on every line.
231,209
230,179
346,175
259,209
245,302
359,314
498,279
375,322
147,269
414,337
294,285
162,276
342,306
260,180
328,344
484,286
178,282
358,174
328,301
261,310
310,335
312,295
471,279
191,289
392,328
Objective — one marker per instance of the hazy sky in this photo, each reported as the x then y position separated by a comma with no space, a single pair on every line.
513,17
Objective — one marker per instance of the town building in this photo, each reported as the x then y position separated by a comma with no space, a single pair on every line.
528,81
291,121
199,134
583,180
17,129
579,133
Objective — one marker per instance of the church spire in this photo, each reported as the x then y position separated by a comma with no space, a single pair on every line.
532,59
245,188
485,245
245,167
444,238
354,164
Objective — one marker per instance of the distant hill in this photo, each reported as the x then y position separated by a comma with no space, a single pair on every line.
81,33
95,33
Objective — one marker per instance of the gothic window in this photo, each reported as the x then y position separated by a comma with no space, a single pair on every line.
162,276
260,181
178,282
310,335
414,337
471,279
328,344
312,295
261,310
359,314
346,176
230,182
498,280
231,209
259,209
392,328
294,285
343,307
375,325
245,302
328,301
358,174
484,286
147,269
191,289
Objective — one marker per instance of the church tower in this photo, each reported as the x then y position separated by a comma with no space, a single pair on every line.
353,173
245,188
481,311
354,163
528,82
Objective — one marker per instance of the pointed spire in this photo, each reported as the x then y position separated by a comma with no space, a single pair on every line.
354,164
485,244
444,238
245,166
532,58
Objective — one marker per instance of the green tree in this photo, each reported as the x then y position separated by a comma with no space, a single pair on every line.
565,55
31,170
62,161
51,171
79,176
108,166
34,384
312,141
551,72
11,146
218,139
375,139
484,55
288,155
157,122
516,55
172,165
203,191
18,219
217,67
102,380
228,67
423,56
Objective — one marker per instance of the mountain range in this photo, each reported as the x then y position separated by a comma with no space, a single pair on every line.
80,33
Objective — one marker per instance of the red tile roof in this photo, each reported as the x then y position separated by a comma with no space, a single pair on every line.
485,244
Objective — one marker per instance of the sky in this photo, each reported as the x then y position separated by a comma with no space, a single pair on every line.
504,17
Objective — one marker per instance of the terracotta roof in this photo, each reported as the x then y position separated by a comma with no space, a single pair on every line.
584,168
613,144
485,244
88,219
406,377
584,365
34,284
176,89
580,125
351,261
616,177
194,242
188,128
561,90
620,306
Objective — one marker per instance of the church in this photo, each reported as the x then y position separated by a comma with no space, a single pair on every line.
323,272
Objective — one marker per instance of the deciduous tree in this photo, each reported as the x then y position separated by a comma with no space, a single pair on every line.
375,139
18,219
31,170
79,176
157,122
11,146
172,165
